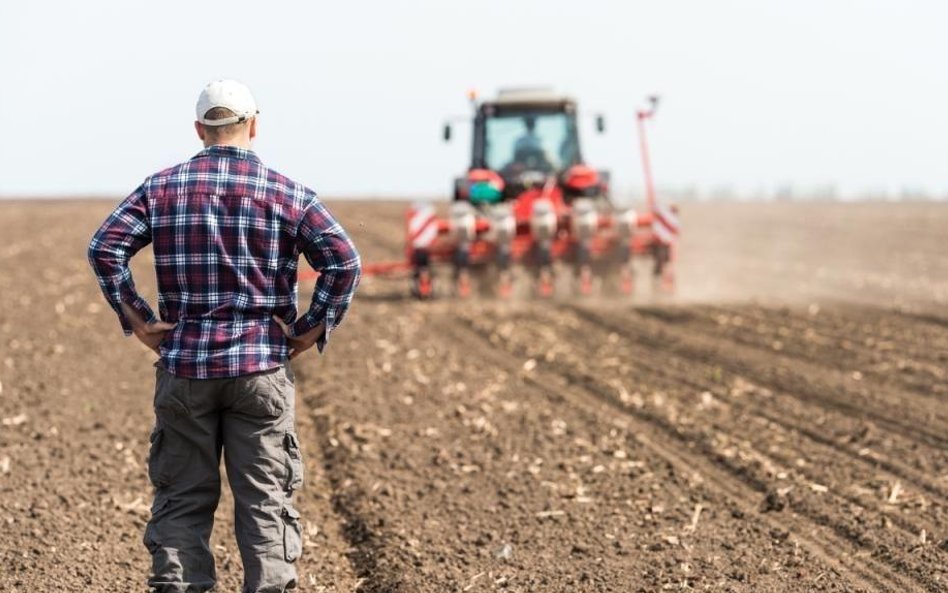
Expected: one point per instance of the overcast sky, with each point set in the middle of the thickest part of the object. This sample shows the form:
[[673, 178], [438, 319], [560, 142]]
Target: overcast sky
[[756, 93]]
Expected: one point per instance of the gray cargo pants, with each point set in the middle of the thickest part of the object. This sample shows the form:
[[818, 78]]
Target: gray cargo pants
[[251, 419]]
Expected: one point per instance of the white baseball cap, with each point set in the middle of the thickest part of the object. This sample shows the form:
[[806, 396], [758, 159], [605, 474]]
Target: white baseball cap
[[230, 94]]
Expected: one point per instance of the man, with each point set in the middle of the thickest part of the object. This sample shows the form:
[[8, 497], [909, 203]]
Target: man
[[528, 141], [227, 233], [528, 148]]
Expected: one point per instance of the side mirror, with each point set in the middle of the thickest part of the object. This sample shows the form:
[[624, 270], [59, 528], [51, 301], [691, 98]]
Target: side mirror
[[600, 123], [447, 132]]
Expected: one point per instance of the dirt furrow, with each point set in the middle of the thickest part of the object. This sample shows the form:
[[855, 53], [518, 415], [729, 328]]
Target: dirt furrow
[[927, 319], [859, 441], [872, 328], [476, 445], [854, 441], [920, 420], [564, 485], [886, 360], [764, 450], [323, 566], [733, 482], [670, 374], [366, 546]]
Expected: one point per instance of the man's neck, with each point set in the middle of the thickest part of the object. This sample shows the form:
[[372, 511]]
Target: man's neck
[[238, 143]]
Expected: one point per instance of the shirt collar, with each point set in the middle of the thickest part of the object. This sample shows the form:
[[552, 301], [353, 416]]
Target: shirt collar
[[227, 151]]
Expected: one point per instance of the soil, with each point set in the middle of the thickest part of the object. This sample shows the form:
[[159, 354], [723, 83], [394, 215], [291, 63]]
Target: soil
[[779, 425]]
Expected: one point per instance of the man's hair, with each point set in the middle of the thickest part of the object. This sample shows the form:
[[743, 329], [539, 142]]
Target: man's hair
[[225, 131]]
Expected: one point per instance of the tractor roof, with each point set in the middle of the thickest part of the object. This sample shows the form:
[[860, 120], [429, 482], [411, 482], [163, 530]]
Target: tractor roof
[[530, 96]]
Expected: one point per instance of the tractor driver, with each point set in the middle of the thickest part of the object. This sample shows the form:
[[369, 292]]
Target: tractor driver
[[528, 149]]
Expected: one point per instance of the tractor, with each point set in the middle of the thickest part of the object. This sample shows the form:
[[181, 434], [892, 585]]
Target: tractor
[[530, 211], [529, 207]]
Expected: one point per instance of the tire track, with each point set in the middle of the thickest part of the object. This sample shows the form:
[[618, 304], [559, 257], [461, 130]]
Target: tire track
[[667, 442]]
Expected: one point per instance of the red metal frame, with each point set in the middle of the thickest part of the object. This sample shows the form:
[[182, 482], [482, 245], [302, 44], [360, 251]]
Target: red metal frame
[[644, 114]]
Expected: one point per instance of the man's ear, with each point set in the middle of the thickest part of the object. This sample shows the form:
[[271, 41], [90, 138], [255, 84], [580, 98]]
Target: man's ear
[[199, 128], [253, 128]]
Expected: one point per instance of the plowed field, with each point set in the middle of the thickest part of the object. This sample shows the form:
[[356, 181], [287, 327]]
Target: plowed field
[[781, 425]]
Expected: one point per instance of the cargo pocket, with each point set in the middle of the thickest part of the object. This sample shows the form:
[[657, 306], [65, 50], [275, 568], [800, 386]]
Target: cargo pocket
[[151, 539], [164, 459], [292, 534], [154, 453], [294, 462]]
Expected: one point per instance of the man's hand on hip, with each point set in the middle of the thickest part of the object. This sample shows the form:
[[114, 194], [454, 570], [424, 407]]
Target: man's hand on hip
[[300, 344], [149, 334]]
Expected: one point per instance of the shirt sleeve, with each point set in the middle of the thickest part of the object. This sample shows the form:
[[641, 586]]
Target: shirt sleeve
[[327, 248], [120, 237]]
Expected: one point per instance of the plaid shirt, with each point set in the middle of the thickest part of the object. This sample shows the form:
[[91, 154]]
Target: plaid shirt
[[227, 234]]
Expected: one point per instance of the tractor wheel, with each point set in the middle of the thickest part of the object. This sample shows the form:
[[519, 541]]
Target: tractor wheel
[[585, 278], [422, 285], [546, 282], [626, 280], [462, 283], [505, 286], [662, 254]]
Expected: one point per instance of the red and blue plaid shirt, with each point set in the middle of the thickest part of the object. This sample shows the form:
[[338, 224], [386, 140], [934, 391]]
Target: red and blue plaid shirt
[[226, 233]]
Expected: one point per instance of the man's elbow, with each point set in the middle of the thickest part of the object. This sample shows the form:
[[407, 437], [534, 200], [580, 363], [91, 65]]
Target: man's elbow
[[354, 261], [94, 252], [355, 268], [103, 256]]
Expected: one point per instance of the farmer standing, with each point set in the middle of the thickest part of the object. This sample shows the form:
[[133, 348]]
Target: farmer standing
[[227, 233]]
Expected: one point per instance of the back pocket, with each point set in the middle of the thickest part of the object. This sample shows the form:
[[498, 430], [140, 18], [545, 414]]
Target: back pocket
[[261, 394]]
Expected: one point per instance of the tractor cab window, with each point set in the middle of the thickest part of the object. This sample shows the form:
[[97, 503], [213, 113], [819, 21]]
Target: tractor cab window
[[530, 141]]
